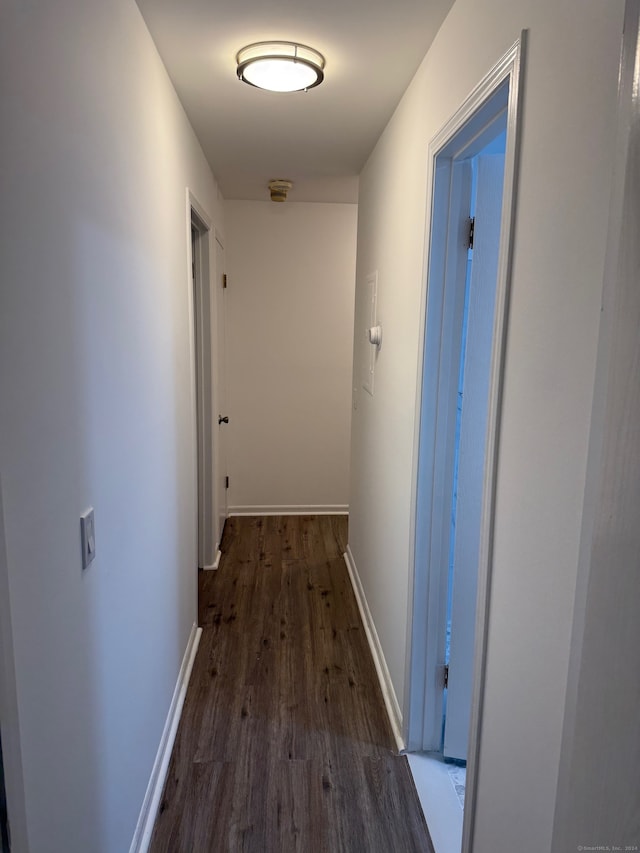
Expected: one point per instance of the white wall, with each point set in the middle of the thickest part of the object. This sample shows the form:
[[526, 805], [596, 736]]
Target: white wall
[[560, 234], [96, 408], [290, 302], [598, 804]]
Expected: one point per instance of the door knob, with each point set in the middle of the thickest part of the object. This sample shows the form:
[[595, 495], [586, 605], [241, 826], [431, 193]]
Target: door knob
[[222, 420]]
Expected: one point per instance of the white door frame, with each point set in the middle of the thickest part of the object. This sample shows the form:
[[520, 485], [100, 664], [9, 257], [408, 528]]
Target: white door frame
[[426, 578]]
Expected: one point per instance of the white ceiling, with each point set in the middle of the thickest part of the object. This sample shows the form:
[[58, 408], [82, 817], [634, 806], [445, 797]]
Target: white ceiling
[[318, 139]]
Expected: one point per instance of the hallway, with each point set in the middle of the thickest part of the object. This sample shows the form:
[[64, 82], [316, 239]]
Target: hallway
[[284, 744]]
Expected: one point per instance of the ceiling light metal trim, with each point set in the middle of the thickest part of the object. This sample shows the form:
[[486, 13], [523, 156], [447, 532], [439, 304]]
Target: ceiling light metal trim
[[282, 53]]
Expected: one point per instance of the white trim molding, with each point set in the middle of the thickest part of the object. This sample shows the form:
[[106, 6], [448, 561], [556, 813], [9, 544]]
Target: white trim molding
[[149, 810], [311, 509], [215, 564], [386, 685]]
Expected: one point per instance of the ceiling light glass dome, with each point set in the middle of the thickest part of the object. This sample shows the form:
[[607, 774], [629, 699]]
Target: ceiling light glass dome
[[280, 66]]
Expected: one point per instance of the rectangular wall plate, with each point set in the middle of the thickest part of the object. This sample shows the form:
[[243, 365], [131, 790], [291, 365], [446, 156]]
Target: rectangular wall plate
[[88, 537]]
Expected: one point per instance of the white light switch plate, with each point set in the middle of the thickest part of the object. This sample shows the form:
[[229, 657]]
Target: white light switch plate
[[88, 537], [370, 351]]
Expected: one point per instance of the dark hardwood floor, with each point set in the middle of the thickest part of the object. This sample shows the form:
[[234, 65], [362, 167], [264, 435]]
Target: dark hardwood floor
[[284, 743]]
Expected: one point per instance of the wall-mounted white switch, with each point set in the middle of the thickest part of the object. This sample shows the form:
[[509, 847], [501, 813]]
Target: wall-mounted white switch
[[375, 336], [88, 536]]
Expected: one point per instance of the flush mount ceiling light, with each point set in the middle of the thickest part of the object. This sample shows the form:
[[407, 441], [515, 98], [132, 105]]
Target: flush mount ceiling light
[[280, 66]]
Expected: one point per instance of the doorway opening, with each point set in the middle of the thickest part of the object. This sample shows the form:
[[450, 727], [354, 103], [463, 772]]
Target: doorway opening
[[221, 487], [205, 267], [472, 182], [480, 203]]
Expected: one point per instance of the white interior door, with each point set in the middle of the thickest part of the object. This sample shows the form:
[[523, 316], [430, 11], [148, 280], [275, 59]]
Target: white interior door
[[471, 451], [203, 378], [452, 203], [220, 402]]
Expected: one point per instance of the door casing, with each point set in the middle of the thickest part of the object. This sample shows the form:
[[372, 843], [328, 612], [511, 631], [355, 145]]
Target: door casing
[[428, 577]]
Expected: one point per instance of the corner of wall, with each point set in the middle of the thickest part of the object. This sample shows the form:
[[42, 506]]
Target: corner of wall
[[9, 719]]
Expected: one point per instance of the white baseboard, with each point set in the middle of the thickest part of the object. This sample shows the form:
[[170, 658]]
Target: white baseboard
[[386, 685], [311, 509], [146, 820], [215, 564]]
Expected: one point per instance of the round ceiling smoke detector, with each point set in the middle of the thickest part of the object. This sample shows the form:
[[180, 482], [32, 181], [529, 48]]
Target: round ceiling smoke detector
[[279, 190]]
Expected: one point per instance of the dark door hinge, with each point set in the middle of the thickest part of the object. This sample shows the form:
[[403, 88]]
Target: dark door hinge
[[472, 228], [226, 482], [224, 281], [446, 675]]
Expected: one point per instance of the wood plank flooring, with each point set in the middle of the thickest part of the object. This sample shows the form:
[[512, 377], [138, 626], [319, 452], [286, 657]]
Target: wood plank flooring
[[284, 743]]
